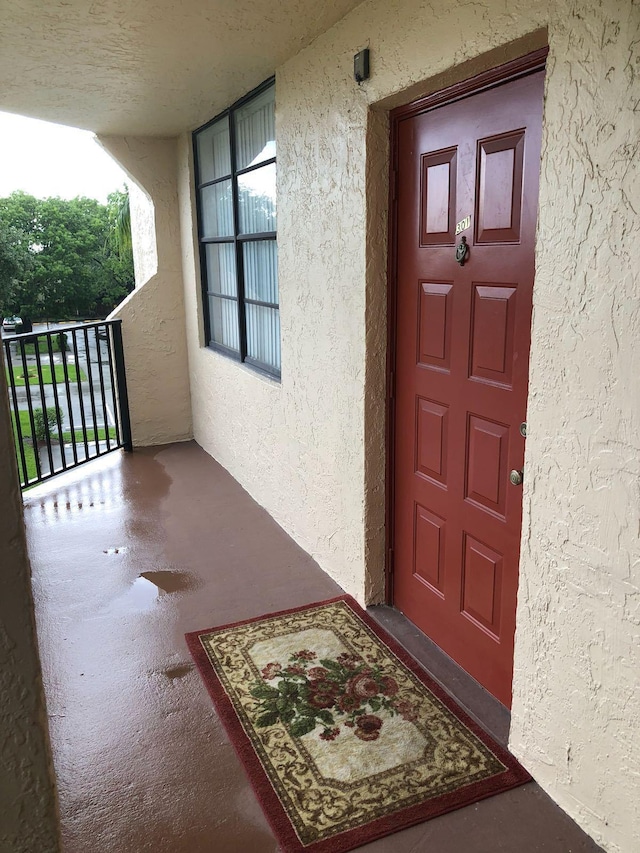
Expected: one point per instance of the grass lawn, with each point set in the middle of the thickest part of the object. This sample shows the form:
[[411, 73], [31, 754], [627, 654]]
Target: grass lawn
[[43, 346], [29, 450], [102, 435], [47, 378]]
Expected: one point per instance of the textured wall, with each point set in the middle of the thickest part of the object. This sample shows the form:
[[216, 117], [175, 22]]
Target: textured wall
[[149, 68], [311, 450], [153, 320], [144, 244], [301, 453], [28, 811], [576, 712]]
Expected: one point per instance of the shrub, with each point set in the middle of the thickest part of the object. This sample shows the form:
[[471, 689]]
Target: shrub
[[44, 425]]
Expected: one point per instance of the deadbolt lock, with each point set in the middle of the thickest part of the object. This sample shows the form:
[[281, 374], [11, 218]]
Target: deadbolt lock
[[516, 477]]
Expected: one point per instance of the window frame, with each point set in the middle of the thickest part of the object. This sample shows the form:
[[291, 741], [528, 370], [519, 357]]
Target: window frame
[[237, 239]]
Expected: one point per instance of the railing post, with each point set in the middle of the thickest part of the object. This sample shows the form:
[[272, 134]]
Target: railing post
[[121, 376]]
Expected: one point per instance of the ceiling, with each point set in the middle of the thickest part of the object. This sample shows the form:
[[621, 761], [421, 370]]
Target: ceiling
[[147, 67]]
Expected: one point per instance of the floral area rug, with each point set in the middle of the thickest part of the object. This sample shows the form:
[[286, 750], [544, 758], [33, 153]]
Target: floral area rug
[[344, 737]]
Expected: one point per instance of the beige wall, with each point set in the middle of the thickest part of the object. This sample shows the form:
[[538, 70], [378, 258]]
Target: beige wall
[[153, 320], [144, 243], [28, 810], [311, 449], [576, 712]]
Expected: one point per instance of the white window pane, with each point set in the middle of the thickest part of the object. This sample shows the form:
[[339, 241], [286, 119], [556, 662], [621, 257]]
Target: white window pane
[[214, 151], [255, 130], [261, 271], [223, 314], [263, 334], [257, 200], [221, 268], [217, 210]]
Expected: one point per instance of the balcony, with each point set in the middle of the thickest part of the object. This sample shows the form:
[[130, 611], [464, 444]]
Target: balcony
[[128, 553]]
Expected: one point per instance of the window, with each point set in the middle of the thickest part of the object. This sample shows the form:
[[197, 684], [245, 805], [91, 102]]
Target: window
[[235, 157]]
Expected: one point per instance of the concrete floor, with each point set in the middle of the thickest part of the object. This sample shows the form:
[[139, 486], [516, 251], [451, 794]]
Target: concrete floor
[[129, 553]]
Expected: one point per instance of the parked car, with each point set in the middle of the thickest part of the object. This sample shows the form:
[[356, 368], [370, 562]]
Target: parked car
[[10, 324]]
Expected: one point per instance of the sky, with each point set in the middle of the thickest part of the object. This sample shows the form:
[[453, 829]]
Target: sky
[[45, 159]]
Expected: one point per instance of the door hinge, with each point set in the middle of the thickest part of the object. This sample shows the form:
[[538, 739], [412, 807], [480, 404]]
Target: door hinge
[[392, 385], [394, 185]]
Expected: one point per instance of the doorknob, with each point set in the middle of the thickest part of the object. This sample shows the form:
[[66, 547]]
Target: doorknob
[[516, 477]]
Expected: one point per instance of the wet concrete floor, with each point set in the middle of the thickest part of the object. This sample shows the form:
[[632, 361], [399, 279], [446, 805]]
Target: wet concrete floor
[[129, 553]]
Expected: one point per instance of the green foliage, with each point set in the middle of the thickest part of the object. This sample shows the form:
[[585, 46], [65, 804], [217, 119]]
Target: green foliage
[[15, 262], [119, 253], [60, 258], [120, 221], [44, 424]]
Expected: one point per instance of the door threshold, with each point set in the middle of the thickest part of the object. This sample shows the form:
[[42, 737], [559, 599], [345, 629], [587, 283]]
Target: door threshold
[[484, 708]]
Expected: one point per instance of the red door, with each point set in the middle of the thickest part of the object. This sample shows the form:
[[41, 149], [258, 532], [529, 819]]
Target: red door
[[462, 351]]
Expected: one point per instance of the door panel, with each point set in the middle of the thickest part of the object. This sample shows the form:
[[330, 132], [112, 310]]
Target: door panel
[[431, 440], [493, 313], [487, 457], [434, 333], [461, 368], [499, 196], [439, 175]]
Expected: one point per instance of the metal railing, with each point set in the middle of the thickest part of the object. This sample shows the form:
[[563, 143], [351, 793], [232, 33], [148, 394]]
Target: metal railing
[[68, 397]]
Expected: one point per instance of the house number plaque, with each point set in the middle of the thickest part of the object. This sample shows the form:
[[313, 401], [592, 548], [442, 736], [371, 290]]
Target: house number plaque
[[463, 225]]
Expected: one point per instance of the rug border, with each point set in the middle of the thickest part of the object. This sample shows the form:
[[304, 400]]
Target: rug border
[[513, 776]]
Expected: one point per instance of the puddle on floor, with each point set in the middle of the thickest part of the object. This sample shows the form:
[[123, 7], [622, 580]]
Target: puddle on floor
[[149, 587], [143, 593], [167, 581]]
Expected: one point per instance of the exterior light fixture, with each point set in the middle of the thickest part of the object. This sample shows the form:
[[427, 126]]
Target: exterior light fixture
[[361, 65]]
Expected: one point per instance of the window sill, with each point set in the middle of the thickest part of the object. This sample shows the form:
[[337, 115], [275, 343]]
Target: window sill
[[248, 367]]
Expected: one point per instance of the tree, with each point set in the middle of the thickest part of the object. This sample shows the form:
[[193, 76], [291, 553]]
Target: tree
[[15, 260], [75, 267], [119, 255], [120, 222]]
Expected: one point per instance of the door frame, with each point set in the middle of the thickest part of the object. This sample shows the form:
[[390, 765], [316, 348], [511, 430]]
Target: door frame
[[512, 70]]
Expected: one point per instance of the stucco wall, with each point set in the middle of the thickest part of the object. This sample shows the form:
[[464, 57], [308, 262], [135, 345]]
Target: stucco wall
[[576, 712], [298, 446], [311, 449], [28, 810], [144, 245], [153, 320]]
